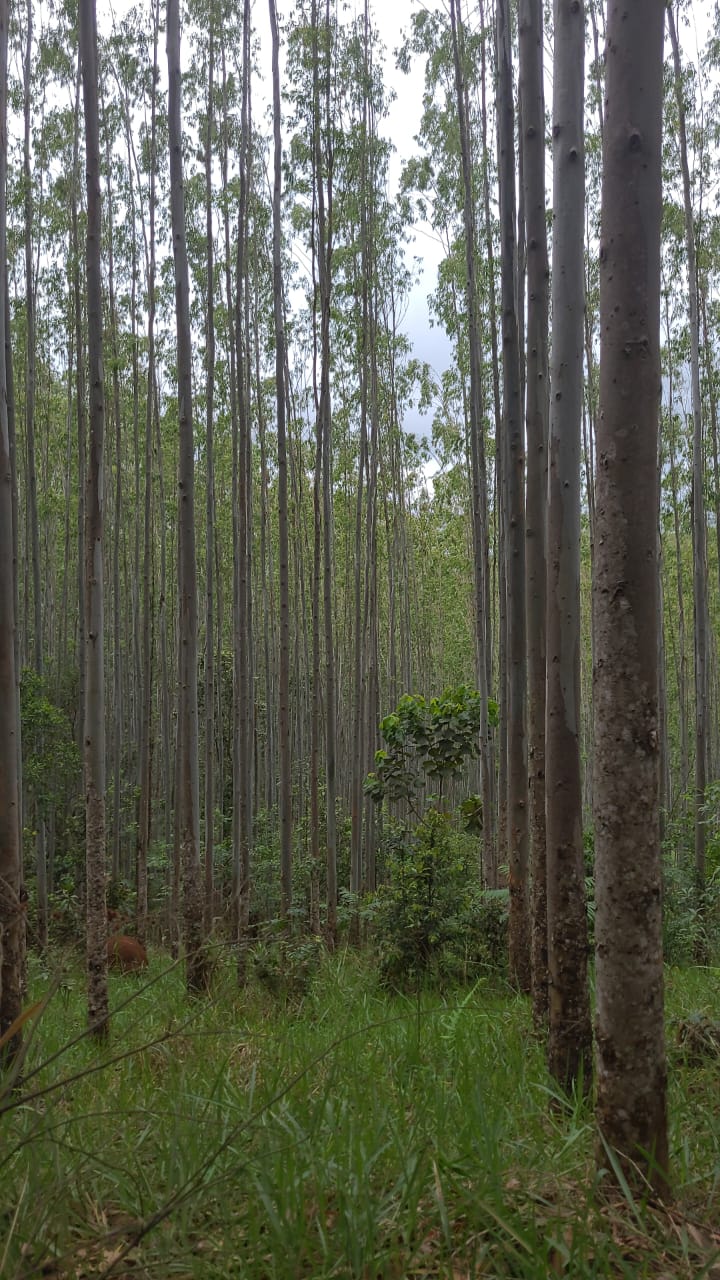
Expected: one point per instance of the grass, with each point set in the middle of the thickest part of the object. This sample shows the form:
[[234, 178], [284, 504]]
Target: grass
[[344, 1133]]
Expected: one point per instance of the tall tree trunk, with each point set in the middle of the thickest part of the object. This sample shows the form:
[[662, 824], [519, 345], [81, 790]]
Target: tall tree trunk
[[117, 660], [537, 416], [12, 917], [324, 175], [284, 576], [94, 732], [30, 380], [498, 814], [81, 411], [477, 452], [631, 1066], [209, 496], [188, 797], [698, 493], [570, 1038], [143, 838], [512, 427]]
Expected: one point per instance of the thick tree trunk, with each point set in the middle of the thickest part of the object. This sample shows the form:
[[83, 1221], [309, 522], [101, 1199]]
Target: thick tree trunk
[[570, 1037], [631, 1066]]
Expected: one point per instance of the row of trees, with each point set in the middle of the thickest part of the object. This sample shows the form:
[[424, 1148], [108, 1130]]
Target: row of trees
[[334, 578]]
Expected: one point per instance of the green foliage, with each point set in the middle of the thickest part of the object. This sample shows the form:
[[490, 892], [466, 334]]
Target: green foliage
[[423, 918], [427, 740], [691, 923], [431, 922], [419, 908], [51, 760]]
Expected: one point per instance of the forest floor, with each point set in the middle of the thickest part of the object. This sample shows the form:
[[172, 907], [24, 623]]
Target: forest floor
[[334, 1132]]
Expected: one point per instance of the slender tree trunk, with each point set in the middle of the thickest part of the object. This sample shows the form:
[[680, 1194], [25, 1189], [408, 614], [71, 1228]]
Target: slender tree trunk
[[570, 1038], [12, 916], [477, 452], [324, 174], [518, 833], [284, 581], [143, 839], [209, 497], [537, 415], [94, 732], [81, 413], [117, 660], [30, 381], [631, 1066], [698, 494], [188, 797], [682, 678]]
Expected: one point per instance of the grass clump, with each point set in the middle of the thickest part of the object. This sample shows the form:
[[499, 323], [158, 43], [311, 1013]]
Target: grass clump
[[351, 1133]]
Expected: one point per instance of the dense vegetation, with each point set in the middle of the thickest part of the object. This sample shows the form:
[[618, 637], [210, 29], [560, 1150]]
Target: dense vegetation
[[370, 696]]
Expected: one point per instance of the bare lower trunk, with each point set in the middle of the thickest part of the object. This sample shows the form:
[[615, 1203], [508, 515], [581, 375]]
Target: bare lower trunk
[[570, 1038], [631, 1066]]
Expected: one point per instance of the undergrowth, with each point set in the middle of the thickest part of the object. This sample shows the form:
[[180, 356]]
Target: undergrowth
[[348, 1133]]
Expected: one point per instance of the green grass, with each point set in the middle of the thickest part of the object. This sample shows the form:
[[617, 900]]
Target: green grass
[[343, 1134]]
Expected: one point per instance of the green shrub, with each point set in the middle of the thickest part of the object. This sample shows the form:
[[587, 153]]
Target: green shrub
[[431, 922], [285, 967]]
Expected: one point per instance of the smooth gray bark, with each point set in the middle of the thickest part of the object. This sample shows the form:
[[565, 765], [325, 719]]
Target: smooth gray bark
[[570, 1037]]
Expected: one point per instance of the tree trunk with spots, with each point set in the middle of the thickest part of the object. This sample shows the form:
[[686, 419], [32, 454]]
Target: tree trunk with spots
[[631, 1066]]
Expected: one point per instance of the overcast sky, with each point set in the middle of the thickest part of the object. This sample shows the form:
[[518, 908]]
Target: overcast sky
[[393, 19]]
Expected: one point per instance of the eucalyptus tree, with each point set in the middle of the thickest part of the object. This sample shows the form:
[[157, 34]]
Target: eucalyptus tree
[[514, 459], [244, 703], [483, 624], [570, 1037], [188, 793], [209, 482], [117, 514], [698, 485], [283, 547], [324, 168], [94, 727], [314, 49], [452, 191], [12, 917], [144, 759], [30, 383], [631, 1065], [537, 415]]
